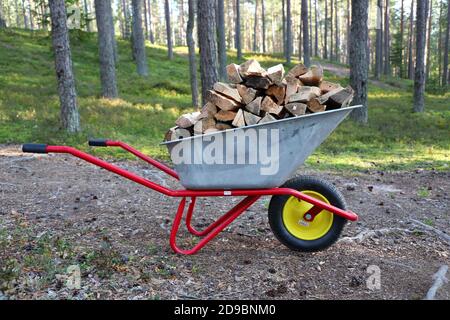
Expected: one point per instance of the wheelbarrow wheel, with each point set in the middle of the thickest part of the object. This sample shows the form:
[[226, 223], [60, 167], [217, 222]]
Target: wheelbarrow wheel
[[288, 224]]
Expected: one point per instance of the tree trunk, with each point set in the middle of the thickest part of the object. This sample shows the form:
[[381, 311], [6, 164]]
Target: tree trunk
[[138, 39], [288, 31], [445, 80], [151, 36], [283, 23], [113, 32], [325, 45], [181, 21], [379, 41], [430, 26], [358, 58], [316, 30], [410, 45], [238, 30], [263, 18], [310, 29], [440, 43], [402, 33], [70, 117], [255, 27], [348, 33], [126, 18], [221, 40], [306, 50], [168, 29], [25, 16], [192, 60], [331, 30], [145, 19], [206, 26], [387, 39], [336, 31], [2, 17], [30, 15], [86, 17], [106, 49], [419, 75]]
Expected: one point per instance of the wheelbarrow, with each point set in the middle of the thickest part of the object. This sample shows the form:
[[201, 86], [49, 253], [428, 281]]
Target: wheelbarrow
[[305, 213]]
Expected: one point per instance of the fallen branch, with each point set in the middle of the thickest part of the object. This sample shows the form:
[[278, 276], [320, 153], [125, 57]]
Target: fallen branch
[[367, 233], [441, 234], [439, 280]]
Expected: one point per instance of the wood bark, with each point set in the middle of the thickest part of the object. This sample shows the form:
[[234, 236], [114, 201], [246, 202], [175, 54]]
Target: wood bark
[[445, 75], [410, 43], [387, 39], [106, 49], [138, 39], [238, 40], [70, 117], [168, 29], [358, 58], [306, 36], [221, 41], [419, 74], [191, 47], [206, 27]]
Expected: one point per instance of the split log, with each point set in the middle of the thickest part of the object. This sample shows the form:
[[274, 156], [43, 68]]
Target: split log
[[291, 87], [324, 98], [298, 70], [187, 120], [225, 116], [204, 124], [267, 118], [278, 92], [276, 73], [269, 106], [233, 73], [315, 106], [296, 108], [208, 110], [313, 77], [247, 94], [305, 94], [176, 133], [211, 130], [250, 118], [223, 126], [340, 98], [239, 120], [221, 101], [327, 86], [251, 68], [254, 106], [258, 82], [228, 91]]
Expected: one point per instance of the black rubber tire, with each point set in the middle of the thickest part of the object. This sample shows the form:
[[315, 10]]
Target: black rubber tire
[[277, 203]]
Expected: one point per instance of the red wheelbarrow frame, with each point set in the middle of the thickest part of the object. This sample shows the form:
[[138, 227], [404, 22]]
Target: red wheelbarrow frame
[[251, 195]]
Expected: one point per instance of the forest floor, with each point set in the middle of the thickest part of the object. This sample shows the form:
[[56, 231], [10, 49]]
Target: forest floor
[[58, 211]]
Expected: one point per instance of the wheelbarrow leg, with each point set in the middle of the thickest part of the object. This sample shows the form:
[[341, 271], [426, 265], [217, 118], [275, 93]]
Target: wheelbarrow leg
[[213, 230]]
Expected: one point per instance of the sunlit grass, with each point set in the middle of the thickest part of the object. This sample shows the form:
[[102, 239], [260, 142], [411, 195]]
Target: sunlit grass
[[395, 138]]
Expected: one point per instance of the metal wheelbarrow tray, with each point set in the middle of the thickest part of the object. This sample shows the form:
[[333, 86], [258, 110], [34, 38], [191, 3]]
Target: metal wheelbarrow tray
[[305, 214]]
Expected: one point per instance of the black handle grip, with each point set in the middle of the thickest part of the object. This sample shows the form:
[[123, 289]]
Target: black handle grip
[[34, 148], [98, 142]]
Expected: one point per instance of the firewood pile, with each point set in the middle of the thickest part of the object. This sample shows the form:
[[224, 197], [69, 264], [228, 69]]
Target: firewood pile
[[255, 95]]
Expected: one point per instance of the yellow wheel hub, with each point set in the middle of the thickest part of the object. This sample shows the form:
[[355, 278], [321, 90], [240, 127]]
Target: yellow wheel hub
[[293, 219]]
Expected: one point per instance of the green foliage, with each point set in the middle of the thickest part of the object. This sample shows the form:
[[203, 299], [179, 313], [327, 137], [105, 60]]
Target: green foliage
[[395, 138]]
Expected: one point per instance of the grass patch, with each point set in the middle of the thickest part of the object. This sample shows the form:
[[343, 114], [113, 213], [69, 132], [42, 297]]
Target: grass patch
[[394, 139]]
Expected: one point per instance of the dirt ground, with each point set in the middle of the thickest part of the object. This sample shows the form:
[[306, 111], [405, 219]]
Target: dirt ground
[[57, 211]]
